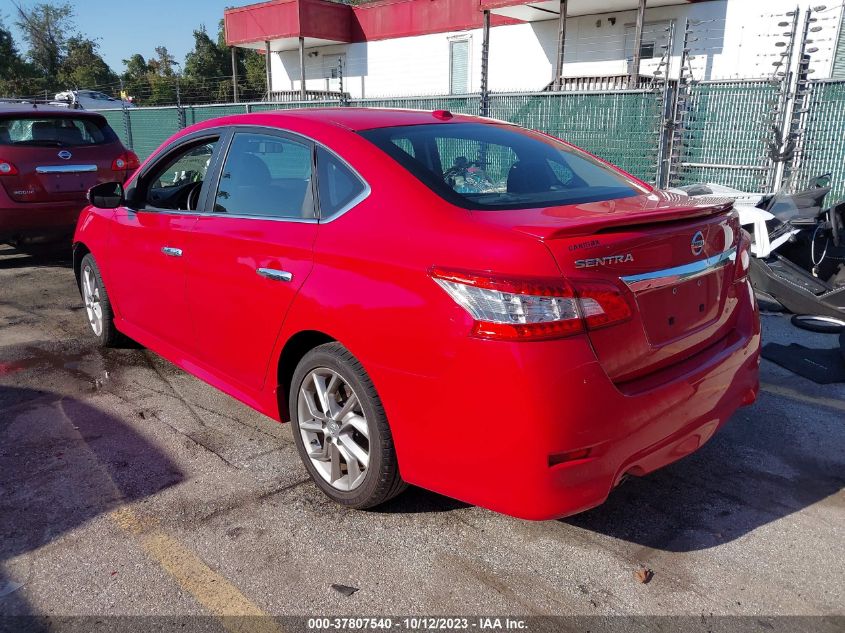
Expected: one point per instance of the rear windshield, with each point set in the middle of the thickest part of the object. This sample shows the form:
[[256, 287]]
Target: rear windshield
[[55, 131], [489, 167]]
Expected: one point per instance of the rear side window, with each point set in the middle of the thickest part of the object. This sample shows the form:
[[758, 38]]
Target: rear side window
[[338, 185], [266, 176], [488, 167], [55, 131]]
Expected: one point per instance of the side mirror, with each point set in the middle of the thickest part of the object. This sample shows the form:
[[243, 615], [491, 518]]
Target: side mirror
[[106, 195]]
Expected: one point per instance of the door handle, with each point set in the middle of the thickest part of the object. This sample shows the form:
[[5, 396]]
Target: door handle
[[275, 275], [172, 252]]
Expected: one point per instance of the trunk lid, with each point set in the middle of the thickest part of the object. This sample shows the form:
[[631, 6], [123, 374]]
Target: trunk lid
[[56, 154], [673, 258], [45, 176]]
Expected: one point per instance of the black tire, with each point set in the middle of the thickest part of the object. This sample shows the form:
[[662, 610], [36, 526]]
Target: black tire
[[820, 324], [109, 336], [382, 480]]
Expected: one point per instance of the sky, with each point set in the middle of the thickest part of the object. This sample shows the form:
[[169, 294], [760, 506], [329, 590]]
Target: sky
[[124, 27]]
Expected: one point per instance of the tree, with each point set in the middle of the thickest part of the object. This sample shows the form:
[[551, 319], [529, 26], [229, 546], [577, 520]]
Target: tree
[[207, 59], [46, 30], [163, 63], [83, 67], [16, 76]]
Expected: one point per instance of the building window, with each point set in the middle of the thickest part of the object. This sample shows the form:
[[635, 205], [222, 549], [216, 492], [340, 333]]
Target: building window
[[655, 36], [459, 67]]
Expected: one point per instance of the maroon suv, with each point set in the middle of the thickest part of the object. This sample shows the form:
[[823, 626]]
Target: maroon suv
[[49, 158]]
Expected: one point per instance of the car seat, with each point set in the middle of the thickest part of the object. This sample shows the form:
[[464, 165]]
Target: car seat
[[44, 131], [530, 177]]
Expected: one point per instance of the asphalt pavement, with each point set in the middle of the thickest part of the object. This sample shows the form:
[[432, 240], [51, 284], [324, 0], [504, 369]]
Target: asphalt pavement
[[129, 487]]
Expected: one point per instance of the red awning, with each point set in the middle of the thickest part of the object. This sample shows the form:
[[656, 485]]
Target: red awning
[[320, 22], [283, 22]]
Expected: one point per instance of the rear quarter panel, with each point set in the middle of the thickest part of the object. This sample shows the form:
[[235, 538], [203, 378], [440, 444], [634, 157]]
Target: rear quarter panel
[[370, 288]]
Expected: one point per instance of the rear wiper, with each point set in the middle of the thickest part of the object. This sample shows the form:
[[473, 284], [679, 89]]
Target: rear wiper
[[40, 143]]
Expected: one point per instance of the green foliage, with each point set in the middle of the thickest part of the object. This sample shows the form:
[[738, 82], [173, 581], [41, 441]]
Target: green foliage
[[83, 67], [17, 77], [57, 57], [207, 59], [46, 30]]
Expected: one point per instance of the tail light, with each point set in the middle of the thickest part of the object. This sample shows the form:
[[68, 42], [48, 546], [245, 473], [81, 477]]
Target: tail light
[[743, 256], [127, 161], [532, 309], [7, 168]]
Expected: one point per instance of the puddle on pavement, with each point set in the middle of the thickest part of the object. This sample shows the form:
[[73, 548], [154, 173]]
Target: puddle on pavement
[[37, 358]]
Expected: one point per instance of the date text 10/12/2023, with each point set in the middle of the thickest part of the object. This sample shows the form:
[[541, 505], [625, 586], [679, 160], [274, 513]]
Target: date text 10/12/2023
[[417, 624]]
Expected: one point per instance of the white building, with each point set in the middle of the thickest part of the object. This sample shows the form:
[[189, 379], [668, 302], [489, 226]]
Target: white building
[[420, 47]]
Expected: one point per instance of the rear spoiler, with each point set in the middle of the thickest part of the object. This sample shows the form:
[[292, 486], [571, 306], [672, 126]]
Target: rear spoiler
[[610, 222]]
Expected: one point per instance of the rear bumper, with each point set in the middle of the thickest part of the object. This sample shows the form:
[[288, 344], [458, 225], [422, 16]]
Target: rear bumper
[[37, 220], [490, 428]]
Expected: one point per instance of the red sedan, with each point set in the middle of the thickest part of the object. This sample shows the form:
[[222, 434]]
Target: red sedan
[[49, 158], [441, 300]]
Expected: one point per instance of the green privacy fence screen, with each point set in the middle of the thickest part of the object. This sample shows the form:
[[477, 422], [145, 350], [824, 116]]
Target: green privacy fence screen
[[621, 127], [723, 132], [724, 135], [822, 145]]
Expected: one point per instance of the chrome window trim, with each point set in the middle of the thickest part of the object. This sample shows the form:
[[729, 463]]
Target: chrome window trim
[[676, 274], [209, 214], [219, 132], [352, 203], [65, 169], [236, 216]]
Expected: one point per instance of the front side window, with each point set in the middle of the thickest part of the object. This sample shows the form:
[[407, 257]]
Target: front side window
[[177, 183], [338, 185], [266, 176], [489, 167], [55, 131]]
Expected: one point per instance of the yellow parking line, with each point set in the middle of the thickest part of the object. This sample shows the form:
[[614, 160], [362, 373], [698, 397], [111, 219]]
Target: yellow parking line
[[210, 589], [237, 614], [786, 392]]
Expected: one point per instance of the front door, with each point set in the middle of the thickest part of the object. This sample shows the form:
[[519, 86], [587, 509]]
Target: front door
[[251, 253], [150, 243]]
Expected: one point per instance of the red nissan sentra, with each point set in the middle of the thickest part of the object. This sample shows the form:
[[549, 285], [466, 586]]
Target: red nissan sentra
[[434, 299]]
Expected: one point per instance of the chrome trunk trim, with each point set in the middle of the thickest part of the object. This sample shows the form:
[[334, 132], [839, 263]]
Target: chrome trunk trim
[[677, 274], [65, 169]]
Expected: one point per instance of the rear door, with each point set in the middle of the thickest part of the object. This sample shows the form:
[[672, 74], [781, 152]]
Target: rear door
[[150, 241], [251, 253], [58, 157]]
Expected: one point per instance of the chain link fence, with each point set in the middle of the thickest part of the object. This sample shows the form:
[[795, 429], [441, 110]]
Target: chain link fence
[[724, 135], [822, 146], [622, 127]]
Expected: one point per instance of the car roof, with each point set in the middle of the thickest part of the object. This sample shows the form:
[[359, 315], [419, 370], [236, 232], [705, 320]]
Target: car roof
[[11, 109], [367, 118]]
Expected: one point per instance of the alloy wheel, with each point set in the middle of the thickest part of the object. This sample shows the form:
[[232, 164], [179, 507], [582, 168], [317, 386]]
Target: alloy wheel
[[334, 429], [91, 296]]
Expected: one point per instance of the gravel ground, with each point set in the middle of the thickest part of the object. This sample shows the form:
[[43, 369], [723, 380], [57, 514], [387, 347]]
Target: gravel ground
[[129, 487]]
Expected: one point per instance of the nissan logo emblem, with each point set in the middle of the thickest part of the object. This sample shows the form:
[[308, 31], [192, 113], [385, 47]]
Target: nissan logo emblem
[[697, 244], [65, 155]]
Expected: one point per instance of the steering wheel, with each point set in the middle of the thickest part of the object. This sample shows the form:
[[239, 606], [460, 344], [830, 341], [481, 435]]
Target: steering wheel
[[193, 196]]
